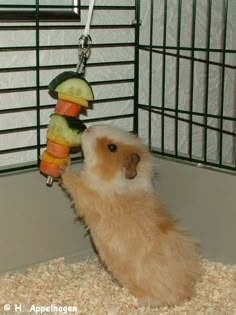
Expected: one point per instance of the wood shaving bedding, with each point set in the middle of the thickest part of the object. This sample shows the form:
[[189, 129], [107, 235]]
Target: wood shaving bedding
[[90, 289]]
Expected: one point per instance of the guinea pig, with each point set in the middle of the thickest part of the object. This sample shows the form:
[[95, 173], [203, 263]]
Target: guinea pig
[[136, 238]]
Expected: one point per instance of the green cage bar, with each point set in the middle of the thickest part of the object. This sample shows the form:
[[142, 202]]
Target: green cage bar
[[190, 144], [37, 46], [177, 76], [207, 79], [221, 117], [164, 77], [150, 76]]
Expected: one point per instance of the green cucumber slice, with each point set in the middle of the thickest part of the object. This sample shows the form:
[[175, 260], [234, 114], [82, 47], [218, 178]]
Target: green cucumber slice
[[71, 83], [67, 128]]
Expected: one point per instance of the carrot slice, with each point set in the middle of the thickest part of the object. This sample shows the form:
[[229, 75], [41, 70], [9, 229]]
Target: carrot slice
[[49, 169], [57, 150], [45, 156], [67, 108]]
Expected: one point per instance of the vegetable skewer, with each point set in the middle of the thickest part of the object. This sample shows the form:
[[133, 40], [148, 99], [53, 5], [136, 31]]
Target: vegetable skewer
[[64, 129]]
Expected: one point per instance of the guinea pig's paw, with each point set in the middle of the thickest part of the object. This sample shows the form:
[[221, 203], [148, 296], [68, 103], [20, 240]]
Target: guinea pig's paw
[[63, 177], [64, 170], [65, 167], [68, 163], [60, 179]]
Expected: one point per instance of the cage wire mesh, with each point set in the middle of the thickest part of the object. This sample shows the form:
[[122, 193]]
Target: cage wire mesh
[[164, 68], [33, 53], [187, 80]]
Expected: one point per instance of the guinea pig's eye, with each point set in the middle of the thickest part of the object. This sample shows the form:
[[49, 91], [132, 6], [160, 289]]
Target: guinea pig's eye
[[112, 147]]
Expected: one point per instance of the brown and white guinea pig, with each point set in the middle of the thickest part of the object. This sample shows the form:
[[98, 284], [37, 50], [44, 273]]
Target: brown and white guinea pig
[[137, 240]]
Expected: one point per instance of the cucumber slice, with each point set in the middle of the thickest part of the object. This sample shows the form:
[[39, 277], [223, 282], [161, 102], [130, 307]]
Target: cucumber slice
[[65, 130], [71, 84]]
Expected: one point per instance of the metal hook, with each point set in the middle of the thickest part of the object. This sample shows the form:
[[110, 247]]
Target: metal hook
[[85, 43], [84, 46]]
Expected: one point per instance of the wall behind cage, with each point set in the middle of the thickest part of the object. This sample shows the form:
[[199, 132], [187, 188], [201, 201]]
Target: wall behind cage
[[188, 79], [32, 55]]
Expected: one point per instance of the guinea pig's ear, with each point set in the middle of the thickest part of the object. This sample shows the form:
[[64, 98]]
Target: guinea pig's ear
[[130, 165]]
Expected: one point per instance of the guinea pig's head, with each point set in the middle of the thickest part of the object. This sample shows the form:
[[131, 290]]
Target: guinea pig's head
[[112, 154]]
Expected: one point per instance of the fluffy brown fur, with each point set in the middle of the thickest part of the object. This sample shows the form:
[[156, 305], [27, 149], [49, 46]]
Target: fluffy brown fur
[[138, 241]]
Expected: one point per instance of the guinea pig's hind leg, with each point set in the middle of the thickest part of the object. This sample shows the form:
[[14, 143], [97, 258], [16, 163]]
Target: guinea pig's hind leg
[[143, 298]]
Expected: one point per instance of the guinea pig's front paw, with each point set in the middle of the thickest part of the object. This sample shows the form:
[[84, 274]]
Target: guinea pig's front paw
[[64, 172], [68, 163], [70, 182]]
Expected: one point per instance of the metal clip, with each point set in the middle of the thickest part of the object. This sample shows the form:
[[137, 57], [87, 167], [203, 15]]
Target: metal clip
[[84, 49], [82, 63]]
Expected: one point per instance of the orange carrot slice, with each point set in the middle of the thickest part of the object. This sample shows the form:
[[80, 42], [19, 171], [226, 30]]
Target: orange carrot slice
[[49, 169], [67, 108], [57, 150], [73, 99], [45, 156]]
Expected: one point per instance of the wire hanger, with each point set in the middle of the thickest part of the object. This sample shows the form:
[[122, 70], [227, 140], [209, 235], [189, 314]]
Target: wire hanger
[[85, 42]]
